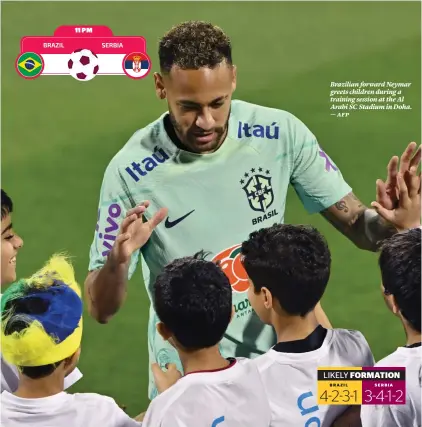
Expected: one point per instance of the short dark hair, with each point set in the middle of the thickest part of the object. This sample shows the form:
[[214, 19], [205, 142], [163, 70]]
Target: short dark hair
[[6, 204], [400, 264], [38, 372], [292, 261], [18, 324], [192, 45], [193, 298]]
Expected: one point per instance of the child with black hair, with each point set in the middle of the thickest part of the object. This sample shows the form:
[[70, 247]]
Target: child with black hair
[[289, 268], [10, 241], [193, 300]]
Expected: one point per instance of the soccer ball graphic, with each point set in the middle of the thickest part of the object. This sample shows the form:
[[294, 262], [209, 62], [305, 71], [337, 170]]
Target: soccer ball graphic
[[83, 65]]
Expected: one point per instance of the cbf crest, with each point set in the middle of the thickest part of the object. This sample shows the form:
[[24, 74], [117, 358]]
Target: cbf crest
[[259, 192], [258, 189]]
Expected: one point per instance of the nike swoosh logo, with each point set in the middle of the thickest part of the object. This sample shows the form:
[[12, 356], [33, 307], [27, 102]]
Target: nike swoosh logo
[[170, 224]]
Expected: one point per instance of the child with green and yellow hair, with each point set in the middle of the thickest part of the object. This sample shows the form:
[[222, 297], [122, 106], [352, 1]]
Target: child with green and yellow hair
[[41, 333]]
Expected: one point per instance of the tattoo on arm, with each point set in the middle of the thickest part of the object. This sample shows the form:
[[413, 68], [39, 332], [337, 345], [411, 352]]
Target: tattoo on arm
[[363, 226], [342, 206]]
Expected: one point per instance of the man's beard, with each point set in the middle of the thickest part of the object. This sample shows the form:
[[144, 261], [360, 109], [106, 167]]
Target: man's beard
[[187, 139]]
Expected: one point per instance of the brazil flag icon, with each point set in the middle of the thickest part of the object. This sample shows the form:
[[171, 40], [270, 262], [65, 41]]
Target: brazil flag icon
[[29, 65]]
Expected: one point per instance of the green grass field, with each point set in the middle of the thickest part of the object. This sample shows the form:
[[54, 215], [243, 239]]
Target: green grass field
[[59, 134]]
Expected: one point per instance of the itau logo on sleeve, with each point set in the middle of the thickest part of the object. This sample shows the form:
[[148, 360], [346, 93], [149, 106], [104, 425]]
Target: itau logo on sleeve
[[83, 52]]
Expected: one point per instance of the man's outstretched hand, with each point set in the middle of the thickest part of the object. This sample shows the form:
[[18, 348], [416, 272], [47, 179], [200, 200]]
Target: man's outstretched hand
[[135, 231]]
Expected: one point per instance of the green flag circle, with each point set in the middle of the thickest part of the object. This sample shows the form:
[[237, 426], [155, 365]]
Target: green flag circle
[[29, 65]]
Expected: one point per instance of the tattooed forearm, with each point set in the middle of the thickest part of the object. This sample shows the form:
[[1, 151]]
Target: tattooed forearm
[[363, 226], [342, 206]]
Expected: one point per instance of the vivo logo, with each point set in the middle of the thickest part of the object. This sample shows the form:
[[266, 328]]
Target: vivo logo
[[108, 235]]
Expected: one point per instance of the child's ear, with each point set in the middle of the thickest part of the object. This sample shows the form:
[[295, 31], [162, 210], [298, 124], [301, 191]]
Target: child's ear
[[71, 362], [163, 331], [268, 298], [394, 307]]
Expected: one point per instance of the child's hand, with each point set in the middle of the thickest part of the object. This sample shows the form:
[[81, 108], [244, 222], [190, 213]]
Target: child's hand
[[164, 380], [407, 214]]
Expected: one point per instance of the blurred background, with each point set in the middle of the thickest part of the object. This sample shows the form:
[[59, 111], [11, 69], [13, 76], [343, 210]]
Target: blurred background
[[58, 136]]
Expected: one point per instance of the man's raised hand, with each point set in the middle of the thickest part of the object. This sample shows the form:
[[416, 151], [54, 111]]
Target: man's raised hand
[[135, 232]]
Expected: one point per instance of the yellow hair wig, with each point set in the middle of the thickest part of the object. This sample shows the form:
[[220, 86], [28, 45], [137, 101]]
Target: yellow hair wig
[[42, 337]]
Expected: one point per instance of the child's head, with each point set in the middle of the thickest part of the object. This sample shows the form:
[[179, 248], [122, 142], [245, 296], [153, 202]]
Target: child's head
[[10, 241], [400, 264], [193, 300], [288, 268], [41, 317]]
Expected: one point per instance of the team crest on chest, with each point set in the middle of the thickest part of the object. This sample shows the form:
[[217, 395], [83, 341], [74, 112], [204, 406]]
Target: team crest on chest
[[258, 189]]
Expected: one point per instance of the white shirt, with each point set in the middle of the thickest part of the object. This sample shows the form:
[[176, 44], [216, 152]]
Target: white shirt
[[63, 410], [290, 379], [232, 397], [408, 415], [10, 377]]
